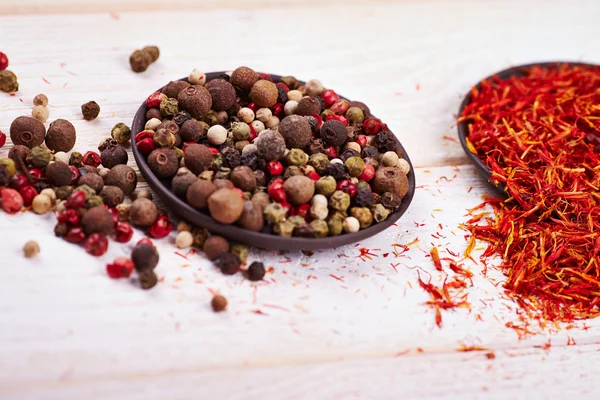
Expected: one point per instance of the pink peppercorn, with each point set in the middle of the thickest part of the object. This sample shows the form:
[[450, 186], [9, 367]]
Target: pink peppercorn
[[330, 152], [145, 146], [214, 151], [76, 199], [340, 107], [2, 138], [339, 118], [18, 181], [283, 85], [347, 187], [145, 241], [115, 215], [275, 168], [36, 173], [161, 228], [302, 210], [371, 126], [368, 173], [123, 232], [75, 235], [318, 118], [239, 191], [12, 201], [276, 191], [28, 193], [329, 97], [75, 174], [253, 134], [69, 216], [289, 209], [155, 99], [277, 109], [143, 135], [96, 244], [266, 76], [122, 267], [3, 64], [253, 107], [361, 140], [91, 158]]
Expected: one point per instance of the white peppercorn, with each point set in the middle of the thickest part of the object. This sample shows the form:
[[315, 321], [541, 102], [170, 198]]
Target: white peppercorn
[[184, 239], [152, 124], [258, 126], [41, 204], [250, 148], [197, 77], [50, 193], [272, 122], [246, 115], [294, 95], [319, 209], [217, 134], [404, 166], [313, 87], [263, 114], [389, 159], [61, 156], [40, 113], [336, 161], [351, 225], [31, 249], [290, 107], [183, 226], [353, 146]]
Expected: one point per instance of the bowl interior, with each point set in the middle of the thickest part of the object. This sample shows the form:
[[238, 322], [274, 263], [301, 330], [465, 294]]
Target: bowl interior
[[262, 239]]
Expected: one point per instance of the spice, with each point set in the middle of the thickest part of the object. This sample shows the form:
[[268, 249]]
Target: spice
[[536, 134], [196, 100], [40, 100], [225, 206], [27, 131], [143, 213], [124, 177], [391, 179], [308, 105], [121, 133], [148, 279], [163, 162], [121, 267], [271, 145], [31, 249], [8, 81], [97, 220], [244, 78], [114, 155], [197, 77], [144, 257], [58, 174], [40, 113], [313, 87], [39, 157], [264, 93], [296, 157], [3, 61], [299, 189], [96, 244], [228, 263], [222, 93], [90, 110], [140, 60], [390, 159], [161, 228], [182, 181], [217, 134], [214, 246], [243, 177], [252, 216], [198, 193], [184, 240], [256, 271], [61, 136], [333, 133], [218, 303]]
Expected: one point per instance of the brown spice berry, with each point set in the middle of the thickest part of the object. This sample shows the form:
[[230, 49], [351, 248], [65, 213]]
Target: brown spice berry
[[252, 217], [58, 174], [90, 110], [222, 93], [153, 51], [198, 193], [243, 178], [296, 131], [163, 162], [124, 177], [390, 179], [140, 60], [225, 206], [223, 183], [148, 279], [244, 78], [228, 263], [261, 199], [97, 220], [192, 130], [143, 213], [112, 195], [8, 81], [182, 180], [153, 113], [173, 88], [218, 303], [27, 131], [271, 145], [197, 158], [309, 105], [196, 100], [31, 249], [114, 155], [256, 271], [214, 246], [61, 136], [333, 133], [92, 180], [299, 189], [144, 257], [264, 93]]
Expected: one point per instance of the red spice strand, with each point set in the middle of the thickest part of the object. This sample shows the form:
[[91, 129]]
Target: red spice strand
[[539, 134]]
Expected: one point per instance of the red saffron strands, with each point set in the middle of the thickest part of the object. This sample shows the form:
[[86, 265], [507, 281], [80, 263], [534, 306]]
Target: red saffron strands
[[539, 135]]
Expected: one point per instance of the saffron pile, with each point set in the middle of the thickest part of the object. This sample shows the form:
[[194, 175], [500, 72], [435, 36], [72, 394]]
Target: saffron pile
[[538, 132]]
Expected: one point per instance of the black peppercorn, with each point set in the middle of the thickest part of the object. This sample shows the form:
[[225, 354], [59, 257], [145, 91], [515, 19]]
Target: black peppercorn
[[250, 160], [333, 133], [4, 176], [114, 155], [58, 174], [256, 271], [61, 229], [338, 171], [90, 110], [316, 147], [41, 185], [313, 122], [385, 141], [390, 200], [231, 157], [112, 195], [290, 81], [346, 154], [364, 198], [282, 96], [163, 162], [144, 257], [228, 263], [180, 117], [148, 279], [369, 151]]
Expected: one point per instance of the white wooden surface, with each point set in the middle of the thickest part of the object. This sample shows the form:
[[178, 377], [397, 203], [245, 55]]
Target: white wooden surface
[[331, 325]]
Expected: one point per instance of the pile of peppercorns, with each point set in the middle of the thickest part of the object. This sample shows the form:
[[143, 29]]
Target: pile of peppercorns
[[280, 157]]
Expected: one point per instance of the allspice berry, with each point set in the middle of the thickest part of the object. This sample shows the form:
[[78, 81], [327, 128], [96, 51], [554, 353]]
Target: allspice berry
[[143, 213], [214, 246], [144, 257], [114, 155], [296, 131], [61, 136], [333, 133], [90, 110], [196, 100], [198, 193], [243, 178], [222, 93], [58, 174], [92, 180], [264, 93], [173, 88], [390, 179], [256, 271], [244, 78], [31, 249], [153, 51], [197, 158], [97, 220], [218, 303], [140, 60], [148, 279], [192, 130], [124, 177], [112, 195], [261, 199], [299, 189], [271, 145], [27, 131], [182, 180], [308, 105], [252, 217], [223, 183], [225, 206], [163, 162], [228, 263]]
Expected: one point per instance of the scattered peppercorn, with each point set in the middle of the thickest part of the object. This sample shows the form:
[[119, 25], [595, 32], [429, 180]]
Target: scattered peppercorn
[[8, 81], [90, 110], [228, 263], [97, 220], [148, 279], [144, 257], [218, 303], [31, 249], [121, 133]]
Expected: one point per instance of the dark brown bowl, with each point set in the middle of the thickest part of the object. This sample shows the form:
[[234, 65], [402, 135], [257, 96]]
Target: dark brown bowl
[[463, 127], [264, 239]]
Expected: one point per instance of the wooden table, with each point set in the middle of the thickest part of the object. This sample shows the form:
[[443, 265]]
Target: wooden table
[[333, 325]]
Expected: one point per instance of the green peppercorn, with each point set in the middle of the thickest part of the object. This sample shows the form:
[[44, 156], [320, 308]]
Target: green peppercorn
[[178, 153], [94, 201], [380, 213], [325, 113], [363, 215], [39, 157], [319, 228], [339, 200], [326, 185], [212, 118], [89, 192], [63, 192], [335, 226], [355, 166], [319, 162], [355, 114], [9, 166], [240, 130], [284, 228], [75, 159], [121, 133], [274, 212], [217, 162], [169, 106], [164, 138], [240, 250], [200, 235], [292, 170], [296, 157], [297, 220], [223, 173]]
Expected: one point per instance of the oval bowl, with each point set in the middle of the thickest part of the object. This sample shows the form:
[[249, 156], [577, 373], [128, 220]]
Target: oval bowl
[[262, 239], [463, 127]]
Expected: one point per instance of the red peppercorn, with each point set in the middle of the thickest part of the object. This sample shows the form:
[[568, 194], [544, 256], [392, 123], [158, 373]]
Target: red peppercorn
[[122, 267], [239, 191], [115, 215], [214, 151], [145, 241], [186, 144], [313, 175], [28, 193], [36, 173], [371, 126], [2, 138], [340, 107], [330, 152], [266, 76], [329, 97], [368, 173], [3, 64], [361, 140], [276, 191], [76, 199], [252, 134], [96, 244], [70, 216], [145, 146], [91, 158], [75, 235], [275, 168], [347, 187], [302, 210], [161, 228], [339, 118], [18, 181], [143, 135], [283, 85], [252, 106], [12, 202], [75, 174], [289, 209], [123, 232], [319, 120], [155, 99], [277, 109]]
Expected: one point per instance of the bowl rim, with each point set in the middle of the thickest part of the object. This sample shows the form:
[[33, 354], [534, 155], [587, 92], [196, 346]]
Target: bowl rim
[[463, 127], [239, 234]]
